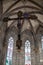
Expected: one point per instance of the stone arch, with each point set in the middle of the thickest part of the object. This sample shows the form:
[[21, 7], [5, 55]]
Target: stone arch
[[11, 32], [3, 27], [27, 35], [39, 35], [19, 57]]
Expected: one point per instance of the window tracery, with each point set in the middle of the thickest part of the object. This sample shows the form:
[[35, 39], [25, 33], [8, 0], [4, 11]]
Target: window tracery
[[9, 51], [27, 53], [42, 42], [41, 51]]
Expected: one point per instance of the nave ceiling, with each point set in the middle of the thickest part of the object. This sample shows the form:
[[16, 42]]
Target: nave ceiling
[[24, 6]]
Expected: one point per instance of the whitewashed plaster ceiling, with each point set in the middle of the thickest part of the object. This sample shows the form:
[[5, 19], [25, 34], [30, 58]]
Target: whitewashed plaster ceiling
[[26, 25]]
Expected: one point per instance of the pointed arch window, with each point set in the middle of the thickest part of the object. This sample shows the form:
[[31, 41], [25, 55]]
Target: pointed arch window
[[9, 51], [41, 50], [27, 53], [42, 42]]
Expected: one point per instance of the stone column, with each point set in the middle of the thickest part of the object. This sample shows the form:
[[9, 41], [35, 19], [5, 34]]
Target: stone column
[[37, 56], [2, 39], [2, 33], [1, 11], [32, 55]]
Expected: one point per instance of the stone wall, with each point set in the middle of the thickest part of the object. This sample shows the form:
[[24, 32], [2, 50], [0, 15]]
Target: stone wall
[[1, 30], [19, 57], [2, 33]]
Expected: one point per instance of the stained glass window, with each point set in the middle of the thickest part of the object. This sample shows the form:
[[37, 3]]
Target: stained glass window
[[27, 53], [41, 50], [9, 51], [42, 41]]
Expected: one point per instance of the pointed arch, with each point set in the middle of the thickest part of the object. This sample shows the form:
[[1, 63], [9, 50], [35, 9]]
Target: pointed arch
[[11, 35], [40, 43], [9, 51], [27, 35], [27, 53]]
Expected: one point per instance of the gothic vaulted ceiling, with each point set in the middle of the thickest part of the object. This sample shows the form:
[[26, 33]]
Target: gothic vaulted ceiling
[[32, 7]]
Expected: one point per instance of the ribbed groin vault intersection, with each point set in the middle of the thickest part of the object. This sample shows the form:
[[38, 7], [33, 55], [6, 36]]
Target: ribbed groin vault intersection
[[21, 32]]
